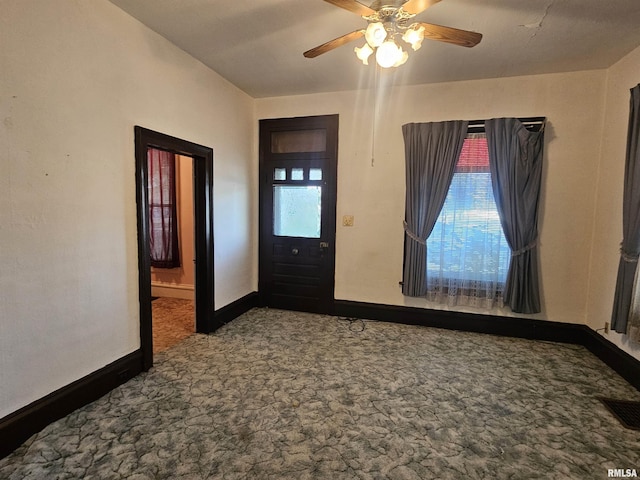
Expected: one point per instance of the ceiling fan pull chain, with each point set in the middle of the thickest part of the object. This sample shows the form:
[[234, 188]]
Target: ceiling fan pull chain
[[376, 80]]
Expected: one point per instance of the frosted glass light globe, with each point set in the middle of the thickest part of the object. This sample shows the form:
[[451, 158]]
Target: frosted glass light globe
[[414, 37], [375, 34], [364, 53], [388, 54], [403, 59]]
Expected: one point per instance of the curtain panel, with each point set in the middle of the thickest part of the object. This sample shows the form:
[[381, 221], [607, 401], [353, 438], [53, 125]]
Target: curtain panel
[[515, 160], [630, 247], [431, 154], [163, 212]]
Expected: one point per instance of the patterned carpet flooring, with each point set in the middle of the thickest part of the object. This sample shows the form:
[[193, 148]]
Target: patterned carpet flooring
[[173, 321], [282, 395]]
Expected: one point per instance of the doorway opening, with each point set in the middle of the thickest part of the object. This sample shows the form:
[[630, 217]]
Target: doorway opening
[[202, 164], [172, 248]]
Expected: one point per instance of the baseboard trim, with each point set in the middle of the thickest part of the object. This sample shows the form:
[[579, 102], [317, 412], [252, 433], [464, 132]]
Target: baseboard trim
[[469, 322], [620, 361], [624, 364], [186, 292], [234, 310], [173, 286], [18, 426]]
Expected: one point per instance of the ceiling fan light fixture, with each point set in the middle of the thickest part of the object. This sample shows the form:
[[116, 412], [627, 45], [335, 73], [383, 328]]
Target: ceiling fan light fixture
[[414, 36], [389, 54], [403, 58], [387, 23], [363, 53], [375, 34]]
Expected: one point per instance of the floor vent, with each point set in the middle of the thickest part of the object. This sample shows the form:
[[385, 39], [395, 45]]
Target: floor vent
[[627, 412]]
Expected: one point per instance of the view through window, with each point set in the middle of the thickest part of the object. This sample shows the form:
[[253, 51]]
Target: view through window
[[467, 254]]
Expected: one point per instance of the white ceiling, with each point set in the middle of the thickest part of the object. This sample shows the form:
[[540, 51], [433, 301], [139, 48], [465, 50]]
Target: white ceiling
[[258, 44]]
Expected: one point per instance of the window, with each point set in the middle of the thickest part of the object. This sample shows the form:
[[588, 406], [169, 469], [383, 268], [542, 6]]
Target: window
[[467, 254], [297, 211], [299, 141], [163, 215]]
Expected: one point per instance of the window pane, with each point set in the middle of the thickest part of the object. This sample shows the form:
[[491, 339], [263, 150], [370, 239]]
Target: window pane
[[315, 174], [296, 211], [467, 242], [474, 156], [467, 254], [299, 141], [163, 217], [280, 174], [297, 174]]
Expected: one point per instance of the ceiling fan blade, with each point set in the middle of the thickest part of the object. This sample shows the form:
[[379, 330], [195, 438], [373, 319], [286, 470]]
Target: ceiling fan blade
[[463, 38], [335, 43], [415, 7], [353, 6]]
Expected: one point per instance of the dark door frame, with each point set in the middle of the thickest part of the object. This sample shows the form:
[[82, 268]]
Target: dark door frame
[[330, 183], [203, 232]]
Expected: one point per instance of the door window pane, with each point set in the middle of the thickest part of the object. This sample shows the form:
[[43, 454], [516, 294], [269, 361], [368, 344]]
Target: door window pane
[[297, 174], [299, 141], [296, 211], [280, 174], [315, 174]]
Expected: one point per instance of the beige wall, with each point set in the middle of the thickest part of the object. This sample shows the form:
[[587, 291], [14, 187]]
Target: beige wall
[[369, 255], [75, 77], [607, 231], [179, 282]]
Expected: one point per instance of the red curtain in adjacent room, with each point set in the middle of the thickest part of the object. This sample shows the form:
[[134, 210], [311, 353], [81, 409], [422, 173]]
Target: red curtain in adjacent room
[[163, 215]]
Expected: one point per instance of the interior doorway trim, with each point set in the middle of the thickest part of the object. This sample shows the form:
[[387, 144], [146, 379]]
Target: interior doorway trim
[[203, 232]]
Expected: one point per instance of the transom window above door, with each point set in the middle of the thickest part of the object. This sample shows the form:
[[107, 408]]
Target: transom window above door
[[299, 141], [284, 174]]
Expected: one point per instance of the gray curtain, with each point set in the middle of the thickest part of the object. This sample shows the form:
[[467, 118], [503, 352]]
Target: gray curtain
[[515, 160], [431, 153], [630, 247]]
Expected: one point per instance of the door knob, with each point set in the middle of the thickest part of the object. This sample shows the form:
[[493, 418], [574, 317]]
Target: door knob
[[294, 251]]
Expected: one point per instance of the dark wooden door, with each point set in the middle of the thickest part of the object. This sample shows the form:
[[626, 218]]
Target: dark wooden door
[[298, 168]]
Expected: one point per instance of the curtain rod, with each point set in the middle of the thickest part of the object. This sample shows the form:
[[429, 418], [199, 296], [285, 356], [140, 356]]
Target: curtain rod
[[535, 124], [525, 121]]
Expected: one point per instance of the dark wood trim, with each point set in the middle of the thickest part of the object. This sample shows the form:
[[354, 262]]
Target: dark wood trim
[[144, 256], [235, 309], [621, 362], [204, 243], [267, 160], [624, 364], [203, 231], [17, 427], [468, 322]]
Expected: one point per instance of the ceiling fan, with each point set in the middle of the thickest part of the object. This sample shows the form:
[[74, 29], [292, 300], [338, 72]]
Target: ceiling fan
[[390, 20]]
